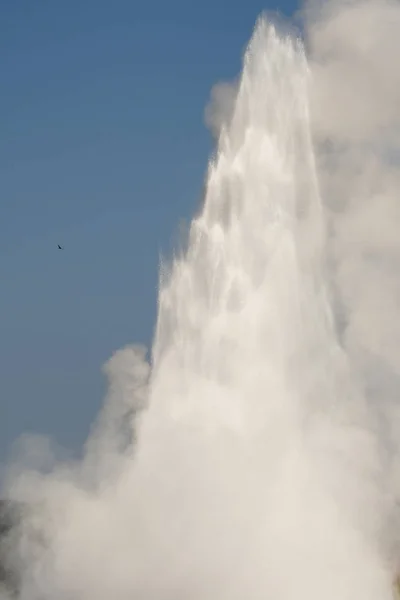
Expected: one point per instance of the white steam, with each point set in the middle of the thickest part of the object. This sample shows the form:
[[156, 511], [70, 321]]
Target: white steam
[[258, 457]]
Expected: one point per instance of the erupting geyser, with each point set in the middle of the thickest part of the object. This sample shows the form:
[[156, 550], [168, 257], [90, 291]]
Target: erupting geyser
[[246, 463]]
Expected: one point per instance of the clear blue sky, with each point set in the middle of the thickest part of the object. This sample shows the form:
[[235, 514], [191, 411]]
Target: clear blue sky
[[103, 150]]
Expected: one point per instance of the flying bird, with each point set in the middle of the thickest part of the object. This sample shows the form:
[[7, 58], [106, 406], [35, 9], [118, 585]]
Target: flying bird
[[59, 247]]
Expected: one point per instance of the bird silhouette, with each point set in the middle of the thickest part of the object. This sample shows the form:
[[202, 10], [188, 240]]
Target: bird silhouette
[[59, 247]]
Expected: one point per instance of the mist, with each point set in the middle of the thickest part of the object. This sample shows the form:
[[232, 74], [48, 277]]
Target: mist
[[256, 455]]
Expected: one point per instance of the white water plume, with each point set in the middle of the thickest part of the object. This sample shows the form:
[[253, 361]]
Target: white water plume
[[247, 462]]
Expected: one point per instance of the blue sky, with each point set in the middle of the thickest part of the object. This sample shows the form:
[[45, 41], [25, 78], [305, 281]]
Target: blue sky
[[103, 149]]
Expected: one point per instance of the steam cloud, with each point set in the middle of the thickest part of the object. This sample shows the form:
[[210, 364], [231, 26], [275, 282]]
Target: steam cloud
[[269, 467]]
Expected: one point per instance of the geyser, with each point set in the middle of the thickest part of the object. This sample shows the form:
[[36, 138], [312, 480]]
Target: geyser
[[246, 462]]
